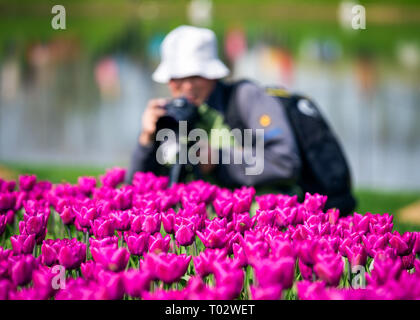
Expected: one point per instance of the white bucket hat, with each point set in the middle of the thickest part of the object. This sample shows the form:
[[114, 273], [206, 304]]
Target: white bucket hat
[[189, 51]]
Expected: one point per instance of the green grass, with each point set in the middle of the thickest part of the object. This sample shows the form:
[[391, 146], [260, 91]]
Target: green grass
[[377, 201], [374, 201]]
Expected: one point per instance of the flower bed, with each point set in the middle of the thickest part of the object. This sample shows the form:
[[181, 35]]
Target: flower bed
[[193, 241]]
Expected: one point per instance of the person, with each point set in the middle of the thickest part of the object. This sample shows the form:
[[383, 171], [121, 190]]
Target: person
[[191, 68]]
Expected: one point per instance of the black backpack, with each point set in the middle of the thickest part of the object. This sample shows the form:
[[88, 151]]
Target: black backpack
[[324, 167]]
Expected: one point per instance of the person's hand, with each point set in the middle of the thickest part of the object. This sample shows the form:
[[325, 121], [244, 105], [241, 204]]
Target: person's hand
[[151, 115]]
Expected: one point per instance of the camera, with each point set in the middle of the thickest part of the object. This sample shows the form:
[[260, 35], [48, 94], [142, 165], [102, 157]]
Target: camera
[[179, 109]]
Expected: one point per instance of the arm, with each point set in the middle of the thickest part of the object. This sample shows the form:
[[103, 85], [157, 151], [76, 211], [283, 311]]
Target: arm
[[281, 162], [144, 155]]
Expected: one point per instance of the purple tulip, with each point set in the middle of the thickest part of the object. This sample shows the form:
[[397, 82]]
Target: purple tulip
[[110, 258], [168, 268], [121, 220], [242, 222], [203, 263], [23, 244], [7, 201], [385, 269], [223, 207], [72, 254], [21, 268], [103, 228], [305, 270], [329, 268], [68, 215], [137, 243], [49, 252], [151, 223], [86, 184], [213, 239], [104, 242], [27, 182], [158, 244], [168, 221], [185, 234], [90, 270], [114, 284], [136, 282], [6, 287], [229, 279], [113, 177], [240, 256], [271, 292], [42, 279], [275, 271], [3, 222]]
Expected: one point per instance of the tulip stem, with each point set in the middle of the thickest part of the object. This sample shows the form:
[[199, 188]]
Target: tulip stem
[[68, 231], [195, 248], [34, 250], [87, 244], [348, 272]]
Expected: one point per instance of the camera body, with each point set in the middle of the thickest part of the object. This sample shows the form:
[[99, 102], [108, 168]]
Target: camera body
[[178, 109]]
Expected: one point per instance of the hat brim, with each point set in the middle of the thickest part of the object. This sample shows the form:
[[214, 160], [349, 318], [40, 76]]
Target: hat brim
[[211, 69]]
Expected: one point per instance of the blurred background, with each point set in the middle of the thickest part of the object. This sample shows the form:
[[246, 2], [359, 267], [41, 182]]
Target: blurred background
[[71, 100]]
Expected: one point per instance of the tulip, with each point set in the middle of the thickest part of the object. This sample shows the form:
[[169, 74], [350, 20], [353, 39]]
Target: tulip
[[158, 244], [168, 221], [68, 215], [104, 242], [305, 270], [223, 207], [271, 292], [6, 287], [7, 201], [357, 255], [314, 203], [86, 184], [385, 269], [21, 268], [113, 177], [27, 182], [121, 220], [213, 239], [114, 284], [137, 243], [90, 270], [185, 235], [168, 267], [151, 223], [42, 279], [103, 228], [23, 244], [242, 222], [110, 258], [329, 268], [3, 222], [203, 263], [136, 282], [229, 279], [49, 252], [240, 256], [72, 254], [275, 271]]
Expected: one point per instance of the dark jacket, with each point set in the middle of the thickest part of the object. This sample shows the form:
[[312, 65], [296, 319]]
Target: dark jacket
[[243, 106]]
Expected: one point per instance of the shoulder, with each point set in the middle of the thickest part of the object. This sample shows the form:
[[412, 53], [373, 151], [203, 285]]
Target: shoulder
[[247, 93]]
